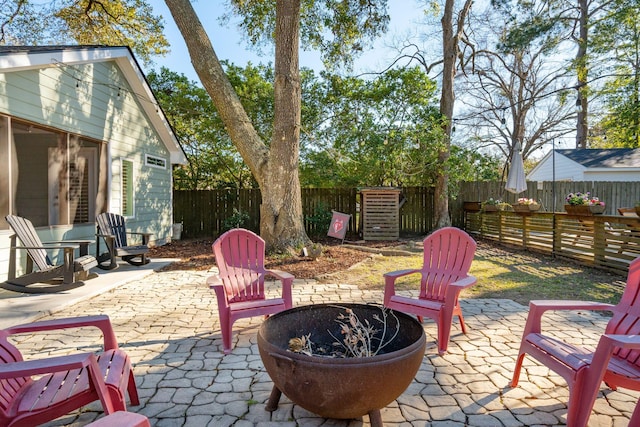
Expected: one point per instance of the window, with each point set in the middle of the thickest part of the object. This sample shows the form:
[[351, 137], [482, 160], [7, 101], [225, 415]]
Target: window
[[127, 187], [54, 178], [155, 162]]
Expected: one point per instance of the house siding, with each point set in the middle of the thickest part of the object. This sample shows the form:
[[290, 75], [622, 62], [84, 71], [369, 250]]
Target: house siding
[[565, 170], [617, 175], [95, 100]]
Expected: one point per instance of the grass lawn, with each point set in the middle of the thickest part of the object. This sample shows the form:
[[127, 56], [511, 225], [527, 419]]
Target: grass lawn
[[502, 273]]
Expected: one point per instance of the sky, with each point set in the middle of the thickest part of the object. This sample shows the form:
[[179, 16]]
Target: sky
[[228, 44], [405, 17]]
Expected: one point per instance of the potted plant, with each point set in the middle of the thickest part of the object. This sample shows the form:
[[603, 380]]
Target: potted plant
[[491, 205], [526, 205], [583, 204]]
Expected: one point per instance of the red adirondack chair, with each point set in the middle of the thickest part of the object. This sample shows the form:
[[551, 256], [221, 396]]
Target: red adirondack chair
[[36, 391], [239, 286], [121, 419], [448, 253], [616, 359]]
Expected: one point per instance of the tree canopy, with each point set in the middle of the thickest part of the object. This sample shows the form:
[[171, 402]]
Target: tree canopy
[[109, 22]]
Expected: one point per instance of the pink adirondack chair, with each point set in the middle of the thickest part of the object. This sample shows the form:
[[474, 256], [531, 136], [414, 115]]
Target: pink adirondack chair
[[121, 419], [616, 359], [448, 253], [239, 286], [36, 391]]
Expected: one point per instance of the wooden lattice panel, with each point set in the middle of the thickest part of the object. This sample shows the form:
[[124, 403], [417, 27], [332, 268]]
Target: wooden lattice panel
[[381, 214]]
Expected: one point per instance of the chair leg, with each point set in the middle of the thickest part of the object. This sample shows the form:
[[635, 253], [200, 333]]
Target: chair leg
[[516, 369], [444, 332], [635, 418], [445, 320], [225, 328], [133, 390], [578, 411], [462, 325]]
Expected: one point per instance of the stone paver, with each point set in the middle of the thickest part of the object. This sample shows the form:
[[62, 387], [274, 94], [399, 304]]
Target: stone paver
[[168, 323]]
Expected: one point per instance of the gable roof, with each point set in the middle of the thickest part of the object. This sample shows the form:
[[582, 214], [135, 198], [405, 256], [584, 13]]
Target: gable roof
[[603, 158], [17, 58]]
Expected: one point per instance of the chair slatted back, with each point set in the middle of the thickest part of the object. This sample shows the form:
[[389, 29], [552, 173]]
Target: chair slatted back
[[9, 387], [626, 314], [239, 255], [448, 253], [113, 224], [27, 235]]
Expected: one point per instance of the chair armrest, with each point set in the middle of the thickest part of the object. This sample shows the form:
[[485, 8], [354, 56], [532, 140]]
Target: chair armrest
[[72, 242], [214, 280], [139, 233], [607, 345], [28, 368], [463, 283], [49, 246], [108, 238], [399, 273], [390, 282], [83, 244], [145, 236], [215, 283], [538, 307], [287, 282], [100, 321], [281, 275]]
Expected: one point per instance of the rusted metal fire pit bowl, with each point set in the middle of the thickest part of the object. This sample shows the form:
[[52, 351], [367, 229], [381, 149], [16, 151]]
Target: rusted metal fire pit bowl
[[342, 388]]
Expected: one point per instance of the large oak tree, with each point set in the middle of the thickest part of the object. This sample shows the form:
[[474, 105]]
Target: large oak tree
[[274, 163]]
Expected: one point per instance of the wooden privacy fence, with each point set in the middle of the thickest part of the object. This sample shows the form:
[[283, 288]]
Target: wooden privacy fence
[[203, 212], [605, 241]]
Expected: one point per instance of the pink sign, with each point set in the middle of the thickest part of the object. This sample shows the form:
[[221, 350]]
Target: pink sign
[[339, 225]]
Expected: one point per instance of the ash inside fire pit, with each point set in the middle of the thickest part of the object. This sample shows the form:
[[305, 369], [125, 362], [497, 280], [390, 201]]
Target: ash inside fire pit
[[323, 325], [356, 337]]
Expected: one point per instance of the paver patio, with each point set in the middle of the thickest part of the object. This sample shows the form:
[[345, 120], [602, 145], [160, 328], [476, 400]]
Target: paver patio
[[168, 324]]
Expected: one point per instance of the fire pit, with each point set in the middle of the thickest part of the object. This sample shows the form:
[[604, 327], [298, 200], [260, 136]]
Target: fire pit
[[334, 387]]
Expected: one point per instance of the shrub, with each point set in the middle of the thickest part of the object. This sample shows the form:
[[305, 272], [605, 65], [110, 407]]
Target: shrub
[[320, 220], [239, 219]]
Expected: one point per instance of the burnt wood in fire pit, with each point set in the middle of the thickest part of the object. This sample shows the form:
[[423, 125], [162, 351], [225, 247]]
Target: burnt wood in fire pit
[[339, 387]]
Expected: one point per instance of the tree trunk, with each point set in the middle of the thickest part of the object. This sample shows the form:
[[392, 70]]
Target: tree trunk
[[450, 51], [447, 99], [281, 210], [582, 126], [275, 168]]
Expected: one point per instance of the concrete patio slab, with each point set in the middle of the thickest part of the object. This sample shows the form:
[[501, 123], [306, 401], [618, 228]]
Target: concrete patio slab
[[168, 323]]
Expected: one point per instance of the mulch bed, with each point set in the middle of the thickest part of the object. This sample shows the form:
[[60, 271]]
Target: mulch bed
[[198, 255]]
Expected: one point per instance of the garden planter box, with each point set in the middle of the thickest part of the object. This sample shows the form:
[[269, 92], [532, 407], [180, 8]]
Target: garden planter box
[[521, 208], [490, 208], [472, 206], [584, 209]]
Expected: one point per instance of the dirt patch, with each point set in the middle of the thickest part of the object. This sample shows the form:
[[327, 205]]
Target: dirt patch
[[198, 255]]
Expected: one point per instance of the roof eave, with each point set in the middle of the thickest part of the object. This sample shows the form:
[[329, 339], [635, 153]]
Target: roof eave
[[122, 55]]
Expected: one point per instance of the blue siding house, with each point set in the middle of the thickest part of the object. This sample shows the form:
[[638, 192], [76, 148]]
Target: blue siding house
[[82, 133]]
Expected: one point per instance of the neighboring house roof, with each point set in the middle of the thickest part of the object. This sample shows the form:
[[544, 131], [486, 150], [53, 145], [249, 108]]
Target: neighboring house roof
[[17, 58], [604, 158]]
